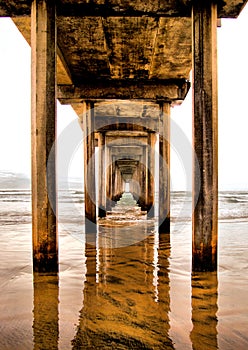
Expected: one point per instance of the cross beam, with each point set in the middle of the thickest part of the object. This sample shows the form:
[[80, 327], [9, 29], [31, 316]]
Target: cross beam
[[153, 8], [154, 90]]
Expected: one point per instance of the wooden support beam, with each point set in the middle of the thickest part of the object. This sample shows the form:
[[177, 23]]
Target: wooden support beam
[[153, 90], [205, 136], [89, 168], [44, 196], [164, 169], [102, 177]]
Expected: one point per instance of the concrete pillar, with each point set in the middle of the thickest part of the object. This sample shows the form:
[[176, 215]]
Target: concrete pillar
[[135, 184], [115, 183], [89, 167], [108, 178], [151, 139], [44, 194], [142, 180], [205, 136], [119, 184], [112, 182], [102, 177], [131, 186], [145, 157], [164, 168]]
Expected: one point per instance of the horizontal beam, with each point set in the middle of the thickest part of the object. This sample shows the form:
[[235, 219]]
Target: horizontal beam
[[126, 123], [126, 10], [125, 144], [153, 8], [15, 8], [127, 151], [171, 90], [114, 133]]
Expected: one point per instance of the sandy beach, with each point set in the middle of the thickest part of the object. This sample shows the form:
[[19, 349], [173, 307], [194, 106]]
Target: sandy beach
[[139, 296]]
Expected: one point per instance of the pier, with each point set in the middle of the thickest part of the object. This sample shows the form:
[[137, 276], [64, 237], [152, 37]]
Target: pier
[[138, 58]]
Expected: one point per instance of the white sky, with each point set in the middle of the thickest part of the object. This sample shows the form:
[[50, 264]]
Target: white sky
[[233, 110]]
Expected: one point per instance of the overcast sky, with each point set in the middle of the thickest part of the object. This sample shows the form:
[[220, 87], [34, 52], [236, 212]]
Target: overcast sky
[[233, 110]]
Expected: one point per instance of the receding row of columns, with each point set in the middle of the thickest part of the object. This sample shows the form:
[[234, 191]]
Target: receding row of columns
[[205, 185], [121, 163], [143, 180]]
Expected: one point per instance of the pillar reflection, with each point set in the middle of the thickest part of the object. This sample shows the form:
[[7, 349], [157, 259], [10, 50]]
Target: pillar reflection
[[45, 312], [126, 295], [163, 274], [204, 310]]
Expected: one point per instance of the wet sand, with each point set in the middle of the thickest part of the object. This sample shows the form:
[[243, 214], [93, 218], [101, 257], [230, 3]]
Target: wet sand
[[139, 296]]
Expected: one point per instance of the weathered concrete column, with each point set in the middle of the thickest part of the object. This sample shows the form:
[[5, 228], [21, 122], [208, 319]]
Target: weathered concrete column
[[115, 183], [141, 172], [164, 168], [151, 139], [145, 157], [112, 179], [89, 168], [205, 135], [108, 177], [131, 187], [135, 184], [102, 177], [44, 196], [119, 184], [143, 179]]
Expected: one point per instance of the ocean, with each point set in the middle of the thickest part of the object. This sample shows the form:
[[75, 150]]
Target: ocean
[[133, 290]]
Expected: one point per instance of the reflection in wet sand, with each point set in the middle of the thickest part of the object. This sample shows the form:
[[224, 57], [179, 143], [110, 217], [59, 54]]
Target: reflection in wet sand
[[139, 292], [204, 310], [46, 317], [127, 306]]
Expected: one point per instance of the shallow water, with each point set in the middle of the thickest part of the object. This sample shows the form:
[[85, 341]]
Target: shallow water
[[134, 290]]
